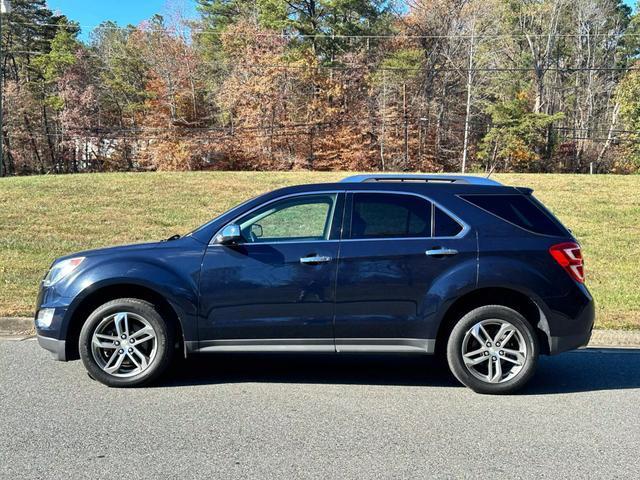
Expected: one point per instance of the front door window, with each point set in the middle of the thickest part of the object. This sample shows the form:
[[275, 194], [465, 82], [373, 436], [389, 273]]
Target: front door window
[[300, 218]]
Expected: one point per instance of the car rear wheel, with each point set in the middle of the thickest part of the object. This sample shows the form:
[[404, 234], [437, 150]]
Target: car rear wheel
[[126, 343], [493, 349]]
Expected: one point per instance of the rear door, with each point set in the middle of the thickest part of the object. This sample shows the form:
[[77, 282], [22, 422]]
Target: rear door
[[395, 246]]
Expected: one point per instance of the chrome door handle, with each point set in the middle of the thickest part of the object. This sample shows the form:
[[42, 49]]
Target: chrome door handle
[[436, 252], [315, 259]]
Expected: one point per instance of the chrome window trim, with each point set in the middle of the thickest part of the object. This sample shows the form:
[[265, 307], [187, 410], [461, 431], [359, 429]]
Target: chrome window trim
[[465, 227]]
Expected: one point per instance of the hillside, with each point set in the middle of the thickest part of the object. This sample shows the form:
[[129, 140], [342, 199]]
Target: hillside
[[48, 216]]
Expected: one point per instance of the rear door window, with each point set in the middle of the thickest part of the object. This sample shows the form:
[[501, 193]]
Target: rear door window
[[518, 210], [388, 215]]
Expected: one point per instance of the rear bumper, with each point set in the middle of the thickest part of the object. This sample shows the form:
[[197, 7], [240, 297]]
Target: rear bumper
[[55, 346], [569, 342], [568, 332]]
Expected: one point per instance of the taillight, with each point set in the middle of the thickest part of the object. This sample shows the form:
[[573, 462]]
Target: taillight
[[569, 256]]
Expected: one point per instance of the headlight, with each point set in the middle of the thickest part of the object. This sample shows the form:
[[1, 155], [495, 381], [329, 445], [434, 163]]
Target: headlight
[[61, 269], [45, 317]]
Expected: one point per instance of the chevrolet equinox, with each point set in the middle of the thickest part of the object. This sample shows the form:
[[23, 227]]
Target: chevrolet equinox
[[460, 265]]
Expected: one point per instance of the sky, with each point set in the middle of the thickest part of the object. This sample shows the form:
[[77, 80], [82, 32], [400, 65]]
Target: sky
[[89, 13]]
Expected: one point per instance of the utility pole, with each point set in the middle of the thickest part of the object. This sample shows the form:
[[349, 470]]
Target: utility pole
[[384, 110], [5, 7], [467, 117], [406, 124]]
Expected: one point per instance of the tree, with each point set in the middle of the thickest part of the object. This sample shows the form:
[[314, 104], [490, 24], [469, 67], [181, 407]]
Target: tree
[[515, 134], [627, 97]]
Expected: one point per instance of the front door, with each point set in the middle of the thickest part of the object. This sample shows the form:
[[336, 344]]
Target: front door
[[395, 248], [276, 288]]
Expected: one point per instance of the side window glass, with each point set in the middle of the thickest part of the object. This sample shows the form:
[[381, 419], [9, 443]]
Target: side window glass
[[305, 217], [519, 210], [444, 225], [387, 215]]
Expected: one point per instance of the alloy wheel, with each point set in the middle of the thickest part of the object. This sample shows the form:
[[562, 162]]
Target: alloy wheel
[[124, 344], [494, 351]]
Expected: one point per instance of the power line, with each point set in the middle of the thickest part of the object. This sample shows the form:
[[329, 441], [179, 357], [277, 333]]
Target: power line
[[330, 36], [259, 66]]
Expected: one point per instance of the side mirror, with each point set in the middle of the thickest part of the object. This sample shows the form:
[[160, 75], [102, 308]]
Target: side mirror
[[229, 234]]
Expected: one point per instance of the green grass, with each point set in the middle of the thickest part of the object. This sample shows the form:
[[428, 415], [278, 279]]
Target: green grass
[[44, 217]]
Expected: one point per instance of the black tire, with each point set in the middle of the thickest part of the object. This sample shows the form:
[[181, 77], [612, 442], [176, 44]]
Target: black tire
[[164, 335], [464, 374]]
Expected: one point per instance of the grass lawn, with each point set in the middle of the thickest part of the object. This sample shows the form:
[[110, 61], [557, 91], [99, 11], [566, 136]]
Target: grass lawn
[[47, 216]]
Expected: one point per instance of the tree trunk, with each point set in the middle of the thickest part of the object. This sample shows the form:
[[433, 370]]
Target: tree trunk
[[406, 125], [467, 116], [607, 143]]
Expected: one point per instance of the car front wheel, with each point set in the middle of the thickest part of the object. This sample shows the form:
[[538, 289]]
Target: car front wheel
[[126, 343], [493, 349]]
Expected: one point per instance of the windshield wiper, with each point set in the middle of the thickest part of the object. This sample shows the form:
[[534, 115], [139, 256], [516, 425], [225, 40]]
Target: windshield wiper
[[173, 237]]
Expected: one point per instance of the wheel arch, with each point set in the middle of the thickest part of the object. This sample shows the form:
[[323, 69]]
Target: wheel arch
[[98, 296], [508, 297]]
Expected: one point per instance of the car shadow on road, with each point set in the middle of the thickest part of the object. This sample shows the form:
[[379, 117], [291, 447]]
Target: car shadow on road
[[587, 370], [579, 371]]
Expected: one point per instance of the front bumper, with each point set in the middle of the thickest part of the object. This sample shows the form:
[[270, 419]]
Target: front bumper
[[57, 347], [52, 337]]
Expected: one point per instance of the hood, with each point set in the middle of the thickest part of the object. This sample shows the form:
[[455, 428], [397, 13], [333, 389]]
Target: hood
[[110, 250]]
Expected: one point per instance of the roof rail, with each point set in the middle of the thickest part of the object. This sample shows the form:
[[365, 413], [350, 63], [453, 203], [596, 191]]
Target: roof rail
[[420, 178]]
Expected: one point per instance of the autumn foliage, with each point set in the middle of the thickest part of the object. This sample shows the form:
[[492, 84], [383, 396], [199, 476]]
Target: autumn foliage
[[326, 85]]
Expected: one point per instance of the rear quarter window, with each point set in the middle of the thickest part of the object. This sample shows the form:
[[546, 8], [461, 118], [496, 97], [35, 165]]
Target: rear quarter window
[[519, 210], [444, 225]]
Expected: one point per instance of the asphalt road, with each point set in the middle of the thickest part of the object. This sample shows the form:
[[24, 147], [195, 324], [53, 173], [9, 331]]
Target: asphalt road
[[318, 417]]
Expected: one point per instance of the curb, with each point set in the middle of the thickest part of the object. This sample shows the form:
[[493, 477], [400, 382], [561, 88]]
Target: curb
[[615, 338], [20, 326], [15, 326]]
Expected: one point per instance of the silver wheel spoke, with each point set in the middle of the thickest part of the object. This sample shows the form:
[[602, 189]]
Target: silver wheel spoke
[[476, 357], [144, 361], [116, 365], [143, 335], [508, 337], [490, 371], [497, 371], [104, 341], [135, 362], [117, 320], [484, 332], [480, 334], [519, 356], [504, 328], [111, 361]]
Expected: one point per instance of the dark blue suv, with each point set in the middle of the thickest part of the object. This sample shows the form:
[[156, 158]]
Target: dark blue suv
[[465, 266]]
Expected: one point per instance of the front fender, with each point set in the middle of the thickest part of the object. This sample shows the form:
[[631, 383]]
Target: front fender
[[178, 287]]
